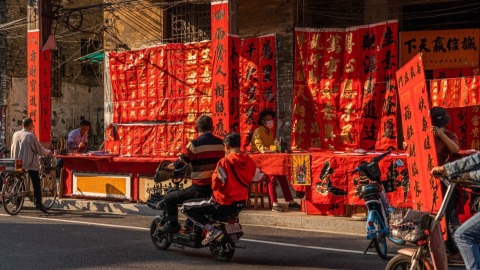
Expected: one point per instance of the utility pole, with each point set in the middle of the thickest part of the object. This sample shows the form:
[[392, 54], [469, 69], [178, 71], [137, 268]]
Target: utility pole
[[3, 78], [39, 67]]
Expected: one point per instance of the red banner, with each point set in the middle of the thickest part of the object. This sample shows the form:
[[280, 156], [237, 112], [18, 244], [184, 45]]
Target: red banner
[[258, 89], [220, 67], [416, 122], [379, 63], [38, 85], [346, 77]]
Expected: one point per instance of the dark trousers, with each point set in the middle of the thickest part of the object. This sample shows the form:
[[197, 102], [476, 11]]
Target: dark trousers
[[173, 199], [59, 166], [451, 206], [198, 209], [37, 189]]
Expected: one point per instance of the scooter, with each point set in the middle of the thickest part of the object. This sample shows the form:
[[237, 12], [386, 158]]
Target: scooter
[[222, 249], [423, 229]]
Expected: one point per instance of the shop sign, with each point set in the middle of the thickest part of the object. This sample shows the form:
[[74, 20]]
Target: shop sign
[[442, 48]]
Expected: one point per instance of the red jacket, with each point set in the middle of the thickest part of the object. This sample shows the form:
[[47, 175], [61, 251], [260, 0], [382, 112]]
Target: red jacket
[[232, 190]]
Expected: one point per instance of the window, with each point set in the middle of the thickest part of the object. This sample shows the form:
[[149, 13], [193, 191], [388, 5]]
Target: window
[[88, 47], [189, 23]]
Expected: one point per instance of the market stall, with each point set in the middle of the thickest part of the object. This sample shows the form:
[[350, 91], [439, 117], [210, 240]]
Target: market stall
[[121, 177]]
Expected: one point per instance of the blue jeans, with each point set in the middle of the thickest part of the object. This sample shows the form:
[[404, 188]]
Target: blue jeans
[[467, 238]]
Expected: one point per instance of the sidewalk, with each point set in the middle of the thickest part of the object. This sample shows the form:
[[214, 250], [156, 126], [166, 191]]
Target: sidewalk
[[287, 219]]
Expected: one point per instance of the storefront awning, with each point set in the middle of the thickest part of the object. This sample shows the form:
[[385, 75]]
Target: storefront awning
[[95, 57]]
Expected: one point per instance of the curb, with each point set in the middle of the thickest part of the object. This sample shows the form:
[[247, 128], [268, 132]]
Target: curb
[[264, 218]]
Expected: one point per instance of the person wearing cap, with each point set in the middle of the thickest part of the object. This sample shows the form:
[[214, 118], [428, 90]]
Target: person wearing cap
[[447, 145], [262, 138], [446, 142]]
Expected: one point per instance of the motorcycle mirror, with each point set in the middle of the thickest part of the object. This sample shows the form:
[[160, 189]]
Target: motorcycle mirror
[[399, 163]]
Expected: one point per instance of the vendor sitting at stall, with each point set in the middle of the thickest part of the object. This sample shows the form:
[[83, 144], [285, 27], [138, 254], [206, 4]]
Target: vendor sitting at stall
[[261, 140], [77, 139]]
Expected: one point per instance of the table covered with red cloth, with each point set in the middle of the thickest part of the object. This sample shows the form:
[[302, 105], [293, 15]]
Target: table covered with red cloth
[[316, 201], [343, 184], [109, 164]]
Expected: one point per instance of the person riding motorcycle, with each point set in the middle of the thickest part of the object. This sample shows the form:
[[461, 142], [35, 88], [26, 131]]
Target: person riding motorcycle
[[230, 182], [203, 154], [467, 236]]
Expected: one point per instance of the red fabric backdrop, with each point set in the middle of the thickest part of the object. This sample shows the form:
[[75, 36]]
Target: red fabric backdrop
[[344, 87]]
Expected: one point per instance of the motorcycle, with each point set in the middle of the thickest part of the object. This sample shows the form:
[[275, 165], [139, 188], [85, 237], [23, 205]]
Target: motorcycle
[[222, 249]]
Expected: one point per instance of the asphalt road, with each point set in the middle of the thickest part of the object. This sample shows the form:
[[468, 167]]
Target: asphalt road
[[75, 239]]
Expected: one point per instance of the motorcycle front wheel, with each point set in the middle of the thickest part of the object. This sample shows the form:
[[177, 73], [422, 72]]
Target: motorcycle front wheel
[[380, 242], [403, 262], [160, 240]]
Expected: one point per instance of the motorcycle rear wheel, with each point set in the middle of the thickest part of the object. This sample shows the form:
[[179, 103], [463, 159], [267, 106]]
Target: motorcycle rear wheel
[[221, 255], [402, 262], [160, 240]]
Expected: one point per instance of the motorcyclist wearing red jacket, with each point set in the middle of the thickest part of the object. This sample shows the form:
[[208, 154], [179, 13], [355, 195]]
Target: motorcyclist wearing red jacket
[[230, 182]]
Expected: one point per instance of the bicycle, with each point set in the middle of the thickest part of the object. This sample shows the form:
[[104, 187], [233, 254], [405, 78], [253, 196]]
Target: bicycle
[[423, 230], [17, 186], [379, 210]]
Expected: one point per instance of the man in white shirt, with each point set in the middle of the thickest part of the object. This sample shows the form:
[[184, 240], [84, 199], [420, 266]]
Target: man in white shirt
[[77, 139], [26, 147]]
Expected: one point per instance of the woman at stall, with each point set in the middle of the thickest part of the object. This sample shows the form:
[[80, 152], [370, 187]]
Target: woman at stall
[[262, 139]]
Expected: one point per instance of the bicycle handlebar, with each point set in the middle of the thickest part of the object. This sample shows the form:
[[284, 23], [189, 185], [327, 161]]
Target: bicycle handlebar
[[376, 159]]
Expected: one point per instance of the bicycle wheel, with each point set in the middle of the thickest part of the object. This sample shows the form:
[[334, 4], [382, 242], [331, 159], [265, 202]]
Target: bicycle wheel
[[49, 189], [13, 194], [380, 242], [403, 262]]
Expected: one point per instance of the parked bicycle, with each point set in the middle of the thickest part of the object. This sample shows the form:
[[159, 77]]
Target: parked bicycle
[[372, 192], [17, 186]]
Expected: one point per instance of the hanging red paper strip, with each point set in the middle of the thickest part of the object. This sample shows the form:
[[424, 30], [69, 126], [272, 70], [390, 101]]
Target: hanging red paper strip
[[249, 84], [38, 85], [379, 62], [350, 102], [329, 84], [416, 122], [387, 65], [268, 73], [473, 127], [304, 107], [221, 67], [257, 82], [458, 124]]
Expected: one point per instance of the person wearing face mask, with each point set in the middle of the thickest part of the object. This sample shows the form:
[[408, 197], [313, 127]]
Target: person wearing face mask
[[262, 138]]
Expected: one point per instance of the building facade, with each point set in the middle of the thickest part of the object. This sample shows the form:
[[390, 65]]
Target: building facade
[[76, 88]]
